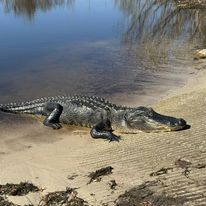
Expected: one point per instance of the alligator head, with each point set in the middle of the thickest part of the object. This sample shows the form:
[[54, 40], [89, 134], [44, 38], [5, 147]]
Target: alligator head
[[146, 119]]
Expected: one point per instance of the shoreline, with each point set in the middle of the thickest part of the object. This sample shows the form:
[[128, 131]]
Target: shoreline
[[46, 157], [152, 95]]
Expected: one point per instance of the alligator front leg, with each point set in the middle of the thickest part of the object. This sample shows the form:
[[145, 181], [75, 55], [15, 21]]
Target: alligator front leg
[[53, 111], [103, 130]]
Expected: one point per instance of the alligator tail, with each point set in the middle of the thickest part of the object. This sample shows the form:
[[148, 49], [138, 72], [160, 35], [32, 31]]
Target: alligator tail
[[23, 108]]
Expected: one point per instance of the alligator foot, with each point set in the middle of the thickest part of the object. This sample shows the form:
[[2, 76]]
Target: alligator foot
[[54, 111], [103, 130], [104, 135], [52, 125], [112, 137]]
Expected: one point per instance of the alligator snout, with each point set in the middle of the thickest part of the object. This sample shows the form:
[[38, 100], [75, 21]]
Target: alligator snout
[[181, 122]]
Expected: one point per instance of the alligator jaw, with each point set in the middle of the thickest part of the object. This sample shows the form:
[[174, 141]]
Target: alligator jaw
[[147, 120], [166, 123]]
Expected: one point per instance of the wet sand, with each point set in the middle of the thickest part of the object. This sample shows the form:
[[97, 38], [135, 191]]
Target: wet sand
[[31, 152]]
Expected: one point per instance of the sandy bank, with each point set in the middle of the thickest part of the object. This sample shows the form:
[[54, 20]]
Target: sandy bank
[[31, 152]]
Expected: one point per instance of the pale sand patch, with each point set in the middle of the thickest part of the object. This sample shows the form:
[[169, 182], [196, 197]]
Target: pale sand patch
[[32, 152]]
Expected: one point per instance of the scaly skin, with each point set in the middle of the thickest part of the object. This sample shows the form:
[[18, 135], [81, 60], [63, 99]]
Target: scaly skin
[[96, 113]]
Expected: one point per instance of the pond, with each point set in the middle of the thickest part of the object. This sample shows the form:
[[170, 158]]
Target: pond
[[129, 51]]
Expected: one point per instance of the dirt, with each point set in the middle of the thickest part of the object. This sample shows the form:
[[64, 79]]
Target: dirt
[[96, 176], [5, 202], [145, 195], [63, 198], [162, 171], [191, 4], [183, 163], [20, 189], [72, 177], [112, 184], [200, 166]]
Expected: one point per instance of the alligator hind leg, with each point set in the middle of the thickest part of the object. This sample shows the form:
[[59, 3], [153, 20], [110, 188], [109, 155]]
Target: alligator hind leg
[[104, 130], [53, 111]]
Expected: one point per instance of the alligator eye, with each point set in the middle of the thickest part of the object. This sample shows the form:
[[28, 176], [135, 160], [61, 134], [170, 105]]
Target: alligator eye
[[150, 111]]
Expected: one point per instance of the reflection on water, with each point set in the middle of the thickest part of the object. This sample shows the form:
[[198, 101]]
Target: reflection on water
[[113, 48], [155, 18], [29, 7], [159, 31]]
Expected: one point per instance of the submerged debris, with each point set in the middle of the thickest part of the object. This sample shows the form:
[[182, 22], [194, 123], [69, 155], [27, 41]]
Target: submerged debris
[[96, 176], [64, 198], [144, 195], [162, 171], [20, 189]]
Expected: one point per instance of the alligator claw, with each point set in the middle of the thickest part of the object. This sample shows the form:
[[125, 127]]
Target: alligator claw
[[113, 137], [52, 125], [56, 126], [107, 135]]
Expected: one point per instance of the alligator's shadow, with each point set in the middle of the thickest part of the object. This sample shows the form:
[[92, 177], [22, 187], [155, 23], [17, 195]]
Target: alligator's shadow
[[186, 127]]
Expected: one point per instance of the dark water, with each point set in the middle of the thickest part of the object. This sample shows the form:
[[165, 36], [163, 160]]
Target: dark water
[[119, 49]]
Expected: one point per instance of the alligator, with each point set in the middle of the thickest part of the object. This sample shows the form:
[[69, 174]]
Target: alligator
[[102, 116]]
